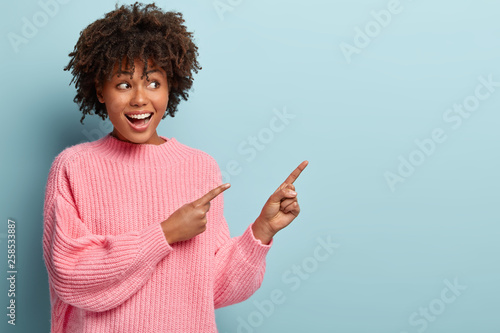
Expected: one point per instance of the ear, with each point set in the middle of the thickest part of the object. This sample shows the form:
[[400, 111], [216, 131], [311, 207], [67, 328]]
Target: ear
[[98, 89]]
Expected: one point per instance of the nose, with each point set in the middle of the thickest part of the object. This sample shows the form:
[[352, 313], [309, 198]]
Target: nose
[[139, 97]]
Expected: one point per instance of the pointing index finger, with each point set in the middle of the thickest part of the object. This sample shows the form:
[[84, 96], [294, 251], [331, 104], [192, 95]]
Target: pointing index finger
[[296, 173], [213, 194]]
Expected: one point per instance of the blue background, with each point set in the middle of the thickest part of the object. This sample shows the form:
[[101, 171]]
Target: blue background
[[356, 117]]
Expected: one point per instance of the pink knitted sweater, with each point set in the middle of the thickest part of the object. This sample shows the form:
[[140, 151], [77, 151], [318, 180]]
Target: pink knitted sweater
[[110, 267]]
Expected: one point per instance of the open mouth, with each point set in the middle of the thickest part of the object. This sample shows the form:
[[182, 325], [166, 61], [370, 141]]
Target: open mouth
[[139, 119]]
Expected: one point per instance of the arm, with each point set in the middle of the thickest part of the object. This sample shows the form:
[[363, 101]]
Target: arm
[[240, 261], [94, 272], [239, 267]]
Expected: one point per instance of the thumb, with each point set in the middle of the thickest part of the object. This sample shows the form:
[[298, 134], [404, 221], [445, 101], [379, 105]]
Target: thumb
[[285, 191]]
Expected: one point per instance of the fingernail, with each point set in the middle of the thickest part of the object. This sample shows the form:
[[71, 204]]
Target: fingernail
[[293, 193]]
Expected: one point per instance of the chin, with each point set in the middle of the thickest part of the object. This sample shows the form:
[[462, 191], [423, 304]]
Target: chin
[[134, 137]]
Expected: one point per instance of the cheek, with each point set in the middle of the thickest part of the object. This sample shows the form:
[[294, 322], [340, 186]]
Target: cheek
[[115, 104], [115, 118], [165, 101], [165, 98], [160, 104]]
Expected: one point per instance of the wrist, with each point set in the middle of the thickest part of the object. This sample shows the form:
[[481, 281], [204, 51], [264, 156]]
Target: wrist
[[169, 237], [262, 232]]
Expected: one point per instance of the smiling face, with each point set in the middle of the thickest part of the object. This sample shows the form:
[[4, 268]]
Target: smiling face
[[135, 106]]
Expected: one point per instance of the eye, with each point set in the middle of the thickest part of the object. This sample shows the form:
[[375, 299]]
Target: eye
[[123, 86], [154, 84]]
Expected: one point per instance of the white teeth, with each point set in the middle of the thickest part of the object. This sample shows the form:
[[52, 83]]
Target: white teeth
[[139, 116]]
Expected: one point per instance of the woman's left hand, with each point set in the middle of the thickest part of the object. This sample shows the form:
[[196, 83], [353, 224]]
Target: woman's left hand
[[280, 209]]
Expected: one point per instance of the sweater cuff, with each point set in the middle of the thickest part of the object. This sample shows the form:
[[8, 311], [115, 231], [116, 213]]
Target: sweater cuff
[[153, 244], [251, 248]]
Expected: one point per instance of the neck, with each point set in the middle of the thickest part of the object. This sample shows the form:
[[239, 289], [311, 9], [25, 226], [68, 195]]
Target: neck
[[153, 140]]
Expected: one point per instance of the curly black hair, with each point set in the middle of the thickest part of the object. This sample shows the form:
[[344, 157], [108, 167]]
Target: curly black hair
[[128, 33]]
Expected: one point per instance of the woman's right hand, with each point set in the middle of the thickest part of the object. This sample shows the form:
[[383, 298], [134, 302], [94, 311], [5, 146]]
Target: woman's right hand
[[190, 219]]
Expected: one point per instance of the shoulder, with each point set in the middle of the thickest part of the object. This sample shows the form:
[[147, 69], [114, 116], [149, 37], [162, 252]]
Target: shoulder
[[73, 153], [58, 180], [198, 155], [201, 165]]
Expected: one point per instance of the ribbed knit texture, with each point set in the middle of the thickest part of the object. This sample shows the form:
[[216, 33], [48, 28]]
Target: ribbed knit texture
[[110, 267]]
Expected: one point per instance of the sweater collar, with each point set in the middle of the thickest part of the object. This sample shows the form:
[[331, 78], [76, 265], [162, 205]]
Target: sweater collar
[[141, 153]]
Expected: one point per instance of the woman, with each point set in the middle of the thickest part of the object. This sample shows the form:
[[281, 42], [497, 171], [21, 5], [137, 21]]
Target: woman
[[134, 234]]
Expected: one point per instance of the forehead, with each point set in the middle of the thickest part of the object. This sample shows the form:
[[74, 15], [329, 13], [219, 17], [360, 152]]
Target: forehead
[[137, 66]]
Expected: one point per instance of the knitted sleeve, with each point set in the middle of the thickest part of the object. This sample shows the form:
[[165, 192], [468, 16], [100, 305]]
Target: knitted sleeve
[[240, 267], [240, 262], [88, 271]]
